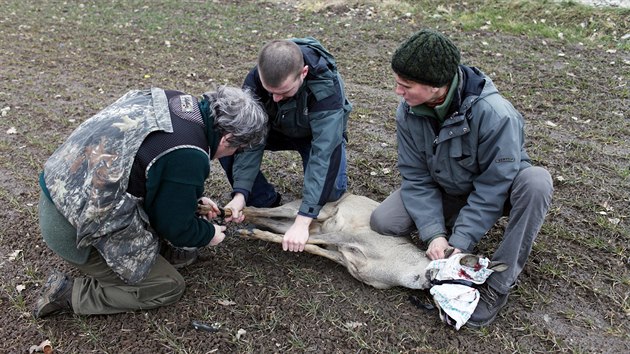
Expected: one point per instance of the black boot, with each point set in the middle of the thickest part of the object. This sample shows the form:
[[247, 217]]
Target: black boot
[[490, 303], [179, 257], [56, 295]]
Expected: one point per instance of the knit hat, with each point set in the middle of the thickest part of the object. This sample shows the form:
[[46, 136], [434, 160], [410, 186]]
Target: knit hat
[[427, 57]]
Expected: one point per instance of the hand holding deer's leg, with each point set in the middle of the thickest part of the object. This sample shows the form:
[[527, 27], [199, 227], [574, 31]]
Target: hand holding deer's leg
[[236, 205], [297, 235], [210, 210]]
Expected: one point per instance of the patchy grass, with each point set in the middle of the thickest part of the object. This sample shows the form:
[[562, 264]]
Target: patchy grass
[[563, 65]]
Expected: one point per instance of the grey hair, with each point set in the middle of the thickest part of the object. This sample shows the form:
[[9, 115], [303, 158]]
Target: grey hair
[[236, 111]]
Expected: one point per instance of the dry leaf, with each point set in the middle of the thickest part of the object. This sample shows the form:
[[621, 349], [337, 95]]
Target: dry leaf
[[614, 221], [44, 347], [551, 124], [13, 255], [226, 302], [353, 324]]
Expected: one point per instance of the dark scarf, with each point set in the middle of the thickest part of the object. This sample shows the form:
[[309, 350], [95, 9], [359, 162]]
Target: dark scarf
[[212, 134]]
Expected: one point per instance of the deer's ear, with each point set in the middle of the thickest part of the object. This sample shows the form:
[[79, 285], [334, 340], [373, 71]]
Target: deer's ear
[[498, 266], [449, 252], [469, 260]]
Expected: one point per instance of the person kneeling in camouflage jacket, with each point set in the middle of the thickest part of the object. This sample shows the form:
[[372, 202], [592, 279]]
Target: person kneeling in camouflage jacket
[[129, 179]]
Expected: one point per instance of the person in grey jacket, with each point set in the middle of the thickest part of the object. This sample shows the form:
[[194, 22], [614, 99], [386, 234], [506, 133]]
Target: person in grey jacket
[[298, 84], [463, 164]]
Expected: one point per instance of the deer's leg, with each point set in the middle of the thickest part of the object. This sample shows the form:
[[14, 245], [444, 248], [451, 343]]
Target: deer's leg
[[328, 238], [261, 235], [277, 219], [333, 255], [288, 211], [280, 226], [309, 247]]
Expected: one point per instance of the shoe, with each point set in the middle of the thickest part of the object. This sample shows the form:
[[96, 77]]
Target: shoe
[[179, 257], [490, 303], [56, 295], [277, 201]]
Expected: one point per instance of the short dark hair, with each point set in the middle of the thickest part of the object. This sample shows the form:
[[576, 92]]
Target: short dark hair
[[278, 60]]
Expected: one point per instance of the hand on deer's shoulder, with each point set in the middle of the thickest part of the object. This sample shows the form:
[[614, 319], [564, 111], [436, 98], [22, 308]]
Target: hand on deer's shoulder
[[219, 235], [297, 235], [236, 205], [438, 247]]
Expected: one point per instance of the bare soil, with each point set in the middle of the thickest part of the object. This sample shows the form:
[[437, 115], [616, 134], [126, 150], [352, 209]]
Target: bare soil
[[61, 62]]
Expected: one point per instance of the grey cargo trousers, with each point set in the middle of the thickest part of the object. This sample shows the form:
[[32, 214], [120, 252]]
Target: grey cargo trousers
[[102, 291], [530, 199]]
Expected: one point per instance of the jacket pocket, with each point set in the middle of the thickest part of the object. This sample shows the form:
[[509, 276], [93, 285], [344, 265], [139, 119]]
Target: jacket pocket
[[292, 120]]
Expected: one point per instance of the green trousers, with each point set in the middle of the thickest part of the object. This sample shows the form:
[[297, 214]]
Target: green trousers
[[101, 291]]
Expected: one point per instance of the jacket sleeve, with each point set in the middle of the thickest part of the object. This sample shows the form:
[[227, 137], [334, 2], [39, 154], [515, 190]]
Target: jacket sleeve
[[499, 155], [420, 193], [247, 164], [246, 167], [323, 164], [327, 119], [174, 185]]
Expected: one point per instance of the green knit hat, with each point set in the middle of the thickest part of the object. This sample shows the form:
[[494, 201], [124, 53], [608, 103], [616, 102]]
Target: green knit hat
[[427, 57]]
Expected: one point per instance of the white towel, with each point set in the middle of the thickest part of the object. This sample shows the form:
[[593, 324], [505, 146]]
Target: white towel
[[456, 300]]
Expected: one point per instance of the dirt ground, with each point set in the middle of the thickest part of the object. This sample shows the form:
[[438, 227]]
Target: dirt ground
[[61, 62]]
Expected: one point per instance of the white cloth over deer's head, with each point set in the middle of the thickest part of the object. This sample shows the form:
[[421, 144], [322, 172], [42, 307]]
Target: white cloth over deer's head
[[454, 282]]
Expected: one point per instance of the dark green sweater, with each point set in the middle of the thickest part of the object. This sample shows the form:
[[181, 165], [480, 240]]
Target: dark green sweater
[[174, 184]]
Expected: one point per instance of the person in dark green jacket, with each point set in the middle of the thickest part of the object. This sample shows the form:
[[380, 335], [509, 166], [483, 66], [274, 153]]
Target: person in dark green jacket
[[298, 84], [463, 164], [128, 179]]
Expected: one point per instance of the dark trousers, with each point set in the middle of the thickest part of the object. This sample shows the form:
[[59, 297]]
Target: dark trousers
[[263, 193]]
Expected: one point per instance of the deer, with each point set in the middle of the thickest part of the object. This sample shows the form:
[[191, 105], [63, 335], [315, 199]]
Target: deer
[[342, 234]]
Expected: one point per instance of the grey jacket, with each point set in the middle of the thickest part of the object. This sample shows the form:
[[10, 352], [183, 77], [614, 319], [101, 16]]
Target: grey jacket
[[476, 154]]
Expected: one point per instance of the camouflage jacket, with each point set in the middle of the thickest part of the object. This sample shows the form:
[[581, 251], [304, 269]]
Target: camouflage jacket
[[87, 177]]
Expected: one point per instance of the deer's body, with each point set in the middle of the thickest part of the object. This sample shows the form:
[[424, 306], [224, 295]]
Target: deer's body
[[342, 233]]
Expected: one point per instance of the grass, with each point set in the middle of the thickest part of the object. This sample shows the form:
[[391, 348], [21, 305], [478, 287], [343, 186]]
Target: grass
[[558, 62]]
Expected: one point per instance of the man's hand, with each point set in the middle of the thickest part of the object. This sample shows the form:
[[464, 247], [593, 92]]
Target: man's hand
[[214, 208], [438, 246], [236, 205], [219, 235], [297, 235]]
